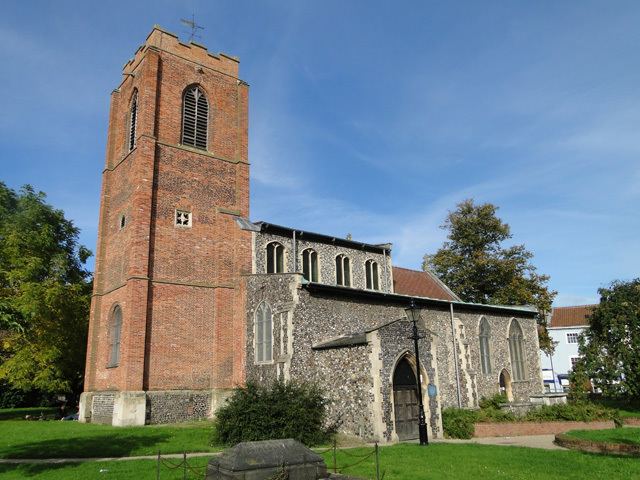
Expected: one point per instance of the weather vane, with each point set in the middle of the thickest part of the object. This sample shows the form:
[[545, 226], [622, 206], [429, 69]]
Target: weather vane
[[193, 26]]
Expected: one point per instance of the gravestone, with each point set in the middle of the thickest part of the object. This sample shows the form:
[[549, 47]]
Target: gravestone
[[265, 459]]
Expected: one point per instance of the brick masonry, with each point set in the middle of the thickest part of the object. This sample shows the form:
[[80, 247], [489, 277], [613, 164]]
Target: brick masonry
[[516, 429], [179, 288]]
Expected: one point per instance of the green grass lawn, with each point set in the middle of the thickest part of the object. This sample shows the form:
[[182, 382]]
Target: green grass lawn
[[627, 410], [19, 413], [56, 439], [129, 469], [399, 462], [629, 436], [485, 462]]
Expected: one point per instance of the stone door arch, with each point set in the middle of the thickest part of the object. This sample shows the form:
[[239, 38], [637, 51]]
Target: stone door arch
[[405, 400], [505, 384]]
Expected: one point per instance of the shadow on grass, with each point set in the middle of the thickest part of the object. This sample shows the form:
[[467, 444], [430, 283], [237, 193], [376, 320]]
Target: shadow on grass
[[86, 446], [36, 469]]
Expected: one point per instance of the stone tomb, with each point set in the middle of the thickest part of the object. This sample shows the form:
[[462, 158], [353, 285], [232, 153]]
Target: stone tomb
[[267, 459]]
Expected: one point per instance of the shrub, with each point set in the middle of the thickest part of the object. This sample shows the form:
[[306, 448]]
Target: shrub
[[458, 422], [493, 402], [280, 410], [495, 415], [575, 412]]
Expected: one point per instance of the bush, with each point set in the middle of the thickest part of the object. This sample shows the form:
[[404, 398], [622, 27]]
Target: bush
[[493, 402], [495, 415], [573, 412], [280, 410], [458, 422]]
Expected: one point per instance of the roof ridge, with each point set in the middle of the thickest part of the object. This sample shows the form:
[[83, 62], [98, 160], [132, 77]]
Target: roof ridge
[[577, 306]]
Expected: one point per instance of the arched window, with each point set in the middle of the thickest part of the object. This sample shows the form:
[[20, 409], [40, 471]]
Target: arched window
[[263, 333], [195, 118], [275, 258], [133, 120], [310, 265], [371, 274], [114, 336], [485, 353], [515, 350], [343, 271]]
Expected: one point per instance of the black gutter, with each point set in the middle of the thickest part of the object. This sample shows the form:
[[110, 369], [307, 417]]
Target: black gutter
[[404, 300], [318, 237]]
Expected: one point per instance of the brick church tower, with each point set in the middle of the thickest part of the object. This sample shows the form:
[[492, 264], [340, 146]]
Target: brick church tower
[[166, 334]]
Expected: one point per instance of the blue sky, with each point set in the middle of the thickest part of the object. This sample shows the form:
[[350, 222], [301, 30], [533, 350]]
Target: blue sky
[[369, 118]]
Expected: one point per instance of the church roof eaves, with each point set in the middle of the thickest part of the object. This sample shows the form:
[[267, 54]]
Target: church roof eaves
[[419, 301], [319, 237]]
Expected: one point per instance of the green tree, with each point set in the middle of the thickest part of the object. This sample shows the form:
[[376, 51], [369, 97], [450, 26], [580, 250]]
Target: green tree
[[474, 263], [45, 294], [610, 347]]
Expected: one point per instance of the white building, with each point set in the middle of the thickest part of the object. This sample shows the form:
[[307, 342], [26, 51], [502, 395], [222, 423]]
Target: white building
[[565, 327]]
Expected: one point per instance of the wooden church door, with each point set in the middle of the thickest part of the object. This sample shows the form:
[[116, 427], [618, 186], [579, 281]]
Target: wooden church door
[[405, 401]]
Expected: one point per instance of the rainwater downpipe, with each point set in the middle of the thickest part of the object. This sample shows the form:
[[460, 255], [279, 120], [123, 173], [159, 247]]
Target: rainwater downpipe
[[455, 355], [386, 274], [295, 254]]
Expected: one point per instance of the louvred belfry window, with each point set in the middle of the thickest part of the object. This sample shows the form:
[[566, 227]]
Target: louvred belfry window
[[133, 118], [195, 117]]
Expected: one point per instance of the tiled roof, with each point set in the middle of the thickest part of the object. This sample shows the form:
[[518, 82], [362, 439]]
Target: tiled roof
[[420, 284], [571, 316]]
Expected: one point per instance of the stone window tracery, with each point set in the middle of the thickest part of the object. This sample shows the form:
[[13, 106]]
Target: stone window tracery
[[264, 333], [310, 265], [275, 258], [516, 350], [183, 218], [114, 336], [371, 275], [195, 118], [133, 120], [343, 271], [485, 352]]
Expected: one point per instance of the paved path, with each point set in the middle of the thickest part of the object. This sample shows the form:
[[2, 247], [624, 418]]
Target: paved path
[[532, 441]]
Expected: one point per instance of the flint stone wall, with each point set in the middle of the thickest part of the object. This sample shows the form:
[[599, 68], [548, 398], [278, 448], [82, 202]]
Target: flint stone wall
[[348, 374], [395, 344], [177, 406], [474, 384], [327, 254], [344, 373]]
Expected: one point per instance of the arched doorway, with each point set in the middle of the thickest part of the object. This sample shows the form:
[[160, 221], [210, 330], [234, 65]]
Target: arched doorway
[[505, 385], [405, 401]]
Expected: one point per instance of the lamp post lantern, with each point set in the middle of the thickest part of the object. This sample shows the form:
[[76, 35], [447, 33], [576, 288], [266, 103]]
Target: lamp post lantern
[[413, 314]]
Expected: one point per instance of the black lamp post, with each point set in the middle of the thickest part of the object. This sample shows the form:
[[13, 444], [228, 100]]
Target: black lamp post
[[413, 314]]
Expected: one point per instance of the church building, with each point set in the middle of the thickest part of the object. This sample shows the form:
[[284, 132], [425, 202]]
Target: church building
[[192, 298]]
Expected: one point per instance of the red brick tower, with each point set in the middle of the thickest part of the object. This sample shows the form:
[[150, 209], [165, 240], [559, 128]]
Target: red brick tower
[[166, 334]]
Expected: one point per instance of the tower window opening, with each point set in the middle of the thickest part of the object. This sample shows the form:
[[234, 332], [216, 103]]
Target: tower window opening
[[195, 118], [183, 218], [133, 119]]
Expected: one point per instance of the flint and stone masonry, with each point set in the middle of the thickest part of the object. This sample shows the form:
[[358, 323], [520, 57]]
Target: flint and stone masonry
[[188, 294]]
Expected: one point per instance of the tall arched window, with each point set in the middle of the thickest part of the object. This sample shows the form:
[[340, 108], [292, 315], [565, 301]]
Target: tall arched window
[[343, 271], [263, 333], [114, 336], [516, 351], [485, 353], [371, 274], [133, 120], [310, 265], [195, 118], [275, 258]]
